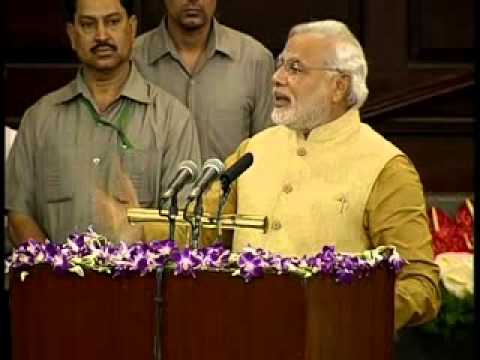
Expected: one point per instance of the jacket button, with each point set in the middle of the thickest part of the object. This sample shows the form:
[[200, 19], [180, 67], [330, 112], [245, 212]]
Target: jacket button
[[287, 188], [301, 151], [276, 225]]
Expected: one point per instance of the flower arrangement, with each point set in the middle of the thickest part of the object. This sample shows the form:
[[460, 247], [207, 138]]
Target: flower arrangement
[[92, 251], [453, 246]]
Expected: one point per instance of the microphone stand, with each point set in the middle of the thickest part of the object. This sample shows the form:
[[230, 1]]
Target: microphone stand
[[172, 213], [197, 221], [185, 214], [226, 189]]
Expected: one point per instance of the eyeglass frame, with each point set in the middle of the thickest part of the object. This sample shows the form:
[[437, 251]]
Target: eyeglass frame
[[290, 69]]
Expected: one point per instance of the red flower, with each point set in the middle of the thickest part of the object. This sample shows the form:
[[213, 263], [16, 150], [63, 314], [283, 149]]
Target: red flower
[[452, 235], [464, 219]]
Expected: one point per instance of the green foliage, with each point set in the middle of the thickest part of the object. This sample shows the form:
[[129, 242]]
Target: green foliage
[[455, 320]]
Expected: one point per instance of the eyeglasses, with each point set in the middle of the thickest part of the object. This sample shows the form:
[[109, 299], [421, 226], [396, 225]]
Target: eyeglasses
[[294, 67]]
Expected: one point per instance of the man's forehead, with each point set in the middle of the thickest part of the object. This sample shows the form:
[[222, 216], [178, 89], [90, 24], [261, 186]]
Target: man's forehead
[[98, 7], [311, 46]]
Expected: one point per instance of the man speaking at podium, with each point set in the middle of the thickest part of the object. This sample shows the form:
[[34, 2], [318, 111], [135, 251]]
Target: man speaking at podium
[[324, 178]]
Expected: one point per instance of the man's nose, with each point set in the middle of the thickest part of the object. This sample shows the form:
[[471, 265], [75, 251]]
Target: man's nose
[[101, 32], [279, 76]]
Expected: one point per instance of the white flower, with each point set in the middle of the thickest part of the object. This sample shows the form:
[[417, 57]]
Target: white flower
[[456, 272], [23, 275], [40, 258], [77, 269]]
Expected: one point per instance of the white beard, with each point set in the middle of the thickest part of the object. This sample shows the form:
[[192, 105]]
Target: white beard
[[302, 118]]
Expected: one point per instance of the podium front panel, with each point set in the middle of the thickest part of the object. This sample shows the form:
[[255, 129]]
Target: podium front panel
[[211, 317], [216, 317], [64, 316]]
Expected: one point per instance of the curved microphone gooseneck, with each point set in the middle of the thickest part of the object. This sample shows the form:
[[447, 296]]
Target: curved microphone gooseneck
[[227, 178]]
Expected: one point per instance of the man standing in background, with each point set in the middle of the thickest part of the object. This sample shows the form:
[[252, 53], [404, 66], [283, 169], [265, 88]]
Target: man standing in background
[[106, 141], [223, 76]]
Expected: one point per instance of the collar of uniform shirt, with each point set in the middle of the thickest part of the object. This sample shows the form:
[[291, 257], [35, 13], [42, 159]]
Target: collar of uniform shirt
[[136, 88], [217, 42]]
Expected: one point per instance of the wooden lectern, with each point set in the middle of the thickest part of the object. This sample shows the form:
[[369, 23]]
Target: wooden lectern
[[212, 317]]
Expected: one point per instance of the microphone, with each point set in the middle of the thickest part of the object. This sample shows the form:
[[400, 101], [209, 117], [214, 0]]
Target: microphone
[[187, 172], [212, 168], [237, 169]]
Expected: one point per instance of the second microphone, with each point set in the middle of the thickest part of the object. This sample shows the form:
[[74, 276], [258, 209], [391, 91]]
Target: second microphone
[[211, 170]]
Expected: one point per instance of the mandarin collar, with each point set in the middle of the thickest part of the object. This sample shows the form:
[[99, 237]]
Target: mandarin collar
[[341, 127]]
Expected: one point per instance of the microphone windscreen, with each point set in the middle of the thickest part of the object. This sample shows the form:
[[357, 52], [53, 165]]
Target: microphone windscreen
[[211, 169], [191, 167], [215, 164], [233, 172]]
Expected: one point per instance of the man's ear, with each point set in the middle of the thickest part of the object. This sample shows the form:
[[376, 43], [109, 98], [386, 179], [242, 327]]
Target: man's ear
[[71, 35], [133, 24], [342, 87]]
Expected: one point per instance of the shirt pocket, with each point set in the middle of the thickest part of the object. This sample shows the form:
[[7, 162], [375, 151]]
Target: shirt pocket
[[57, 173], [141, 168]]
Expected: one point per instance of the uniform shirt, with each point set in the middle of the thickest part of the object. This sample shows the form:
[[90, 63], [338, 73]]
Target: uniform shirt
[[230, 95], [63, 160], [394, 213]]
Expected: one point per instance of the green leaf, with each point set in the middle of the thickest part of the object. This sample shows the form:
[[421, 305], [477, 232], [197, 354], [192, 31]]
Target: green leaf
[[456, 316]]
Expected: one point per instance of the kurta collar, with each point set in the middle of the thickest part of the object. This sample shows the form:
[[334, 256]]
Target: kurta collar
[[338, 128]]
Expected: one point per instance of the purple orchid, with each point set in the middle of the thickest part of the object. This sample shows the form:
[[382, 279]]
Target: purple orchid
[[186, 261], [163, 247], [214, 257], [89, 250], [61, 263], [283, 265], [251, 265], [395, 262]]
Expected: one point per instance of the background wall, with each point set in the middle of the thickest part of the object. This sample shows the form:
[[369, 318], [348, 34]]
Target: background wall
[[420, 54]]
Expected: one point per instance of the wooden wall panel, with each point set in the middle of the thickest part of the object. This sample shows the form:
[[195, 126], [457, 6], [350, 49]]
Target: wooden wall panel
[[270, 28], [399, 90], [444, 162], [149, 13], [440, 33], [385, 37], [437, 135], [29, 82], [35, 32], [270, 23]]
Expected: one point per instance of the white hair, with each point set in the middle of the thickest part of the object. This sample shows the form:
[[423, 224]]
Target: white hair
[[349, 56]]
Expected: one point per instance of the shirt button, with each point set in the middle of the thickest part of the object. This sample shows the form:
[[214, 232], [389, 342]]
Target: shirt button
[[287, 188], [301, 151], [96, 161], [276, 225]]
